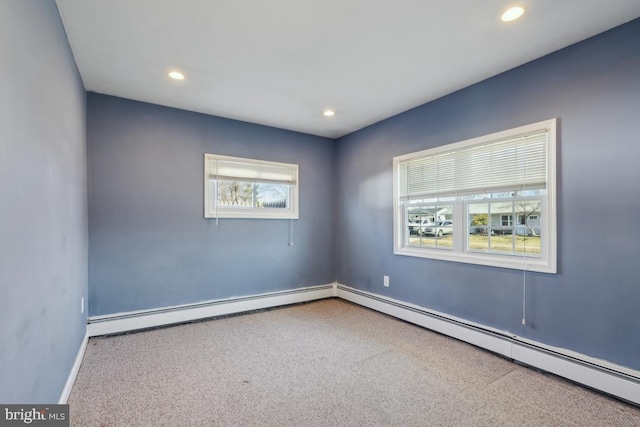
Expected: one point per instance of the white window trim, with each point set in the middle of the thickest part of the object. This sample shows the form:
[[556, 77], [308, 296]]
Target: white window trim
[[244, 212], [546, 263]]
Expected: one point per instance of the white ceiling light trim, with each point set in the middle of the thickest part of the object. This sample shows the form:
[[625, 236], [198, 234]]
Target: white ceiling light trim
[[512, 14], [176, 75]]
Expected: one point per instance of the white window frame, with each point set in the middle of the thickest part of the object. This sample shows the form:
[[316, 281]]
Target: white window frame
[[289, 177], [545, 263]]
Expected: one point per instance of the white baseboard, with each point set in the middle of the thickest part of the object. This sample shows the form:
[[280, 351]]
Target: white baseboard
[[607, 377], [142, 319], [66, 391]]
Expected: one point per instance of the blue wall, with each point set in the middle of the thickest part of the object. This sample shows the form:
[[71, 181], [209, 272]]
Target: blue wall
[[43, 205], [591, 305], [150, 245]]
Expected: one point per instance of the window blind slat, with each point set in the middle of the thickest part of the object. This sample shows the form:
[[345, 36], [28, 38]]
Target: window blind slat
[[238, 171], [516, 163]]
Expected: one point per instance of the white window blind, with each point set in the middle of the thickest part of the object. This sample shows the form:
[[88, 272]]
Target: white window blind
[[515, 163], [233, 170]]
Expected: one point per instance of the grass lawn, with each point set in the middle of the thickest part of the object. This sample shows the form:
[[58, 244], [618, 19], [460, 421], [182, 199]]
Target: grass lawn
[[482, 243]]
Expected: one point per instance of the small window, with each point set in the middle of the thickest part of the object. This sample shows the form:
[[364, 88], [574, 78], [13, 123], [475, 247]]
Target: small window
[[489, 200], [247, 188]]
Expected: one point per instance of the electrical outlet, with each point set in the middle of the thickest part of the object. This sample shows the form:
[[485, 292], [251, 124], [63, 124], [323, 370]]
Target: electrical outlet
[[386, 281], [81, 305]]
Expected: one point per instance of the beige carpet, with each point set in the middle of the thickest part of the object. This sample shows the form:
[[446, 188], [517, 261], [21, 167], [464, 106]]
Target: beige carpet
[[327, 363]]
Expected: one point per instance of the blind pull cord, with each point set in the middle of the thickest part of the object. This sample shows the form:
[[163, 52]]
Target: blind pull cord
[[524, 270], [524, 249], [216, 194], [524, 297], [291, 232]]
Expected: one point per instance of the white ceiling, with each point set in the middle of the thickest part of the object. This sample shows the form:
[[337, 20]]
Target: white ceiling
[[282, 62]]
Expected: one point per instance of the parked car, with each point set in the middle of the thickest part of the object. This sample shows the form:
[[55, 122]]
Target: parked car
[[439, 229], [417, 227]]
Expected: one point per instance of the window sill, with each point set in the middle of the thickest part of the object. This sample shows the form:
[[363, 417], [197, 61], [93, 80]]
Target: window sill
[[513, 262], [252, 215]]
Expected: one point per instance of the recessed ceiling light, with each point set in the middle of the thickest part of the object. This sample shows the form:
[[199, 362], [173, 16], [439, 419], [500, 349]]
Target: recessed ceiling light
[[329, 113], [176, 75], [513, 13]]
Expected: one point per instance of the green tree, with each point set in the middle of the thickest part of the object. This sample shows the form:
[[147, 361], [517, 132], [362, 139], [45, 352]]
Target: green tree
[[480, 219]]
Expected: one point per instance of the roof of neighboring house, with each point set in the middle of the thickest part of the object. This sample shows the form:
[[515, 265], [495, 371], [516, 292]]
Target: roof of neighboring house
[[529, 207]]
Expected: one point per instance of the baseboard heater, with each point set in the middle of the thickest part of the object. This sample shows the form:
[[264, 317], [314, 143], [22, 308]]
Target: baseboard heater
[[616, 380], [145, 319]]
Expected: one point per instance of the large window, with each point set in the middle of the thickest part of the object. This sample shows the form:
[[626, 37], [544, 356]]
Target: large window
[[489, 200], [246, 188]]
